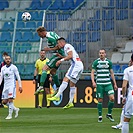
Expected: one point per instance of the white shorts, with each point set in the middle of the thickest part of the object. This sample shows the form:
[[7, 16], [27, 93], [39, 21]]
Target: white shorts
[[9, 92], [128, 107], [74, 72]]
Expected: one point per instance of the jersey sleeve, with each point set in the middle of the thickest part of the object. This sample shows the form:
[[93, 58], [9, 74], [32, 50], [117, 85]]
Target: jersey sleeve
[[125, 77], [17, 76], [94, 65], [1, 76], [36, 64], [110, 64], [68, 48]]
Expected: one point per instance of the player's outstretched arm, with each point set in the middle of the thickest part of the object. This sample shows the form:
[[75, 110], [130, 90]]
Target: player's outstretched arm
[[51, 49]]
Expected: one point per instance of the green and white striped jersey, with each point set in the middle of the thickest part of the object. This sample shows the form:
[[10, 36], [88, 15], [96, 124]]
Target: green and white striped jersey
[[102, 69], [52, 42]]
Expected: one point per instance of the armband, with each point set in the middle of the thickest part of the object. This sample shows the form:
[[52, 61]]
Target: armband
[[34, 77], [62, 59]]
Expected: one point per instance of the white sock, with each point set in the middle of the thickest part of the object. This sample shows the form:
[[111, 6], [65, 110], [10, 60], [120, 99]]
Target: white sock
[[122, 117], [71, 94], [125, 127], [62, 87], [10, 108]]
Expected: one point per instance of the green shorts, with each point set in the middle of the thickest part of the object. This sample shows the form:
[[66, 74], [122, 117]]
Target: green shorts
[[101, 89], [52, 62]]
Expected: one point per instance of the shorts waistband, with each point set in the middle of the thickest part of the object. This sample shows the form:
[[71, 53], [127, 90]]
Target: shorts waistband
[[78, 59]]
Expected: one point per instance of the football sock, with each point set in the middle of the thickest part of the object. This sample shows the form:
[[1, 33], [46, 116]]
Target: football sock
[[56, 80], [11, 108], [110, 107], [48, 101], [122, 116], [71, 94], [43, 78], [40, 98], [62, 87], [99, 106], [125, 127]]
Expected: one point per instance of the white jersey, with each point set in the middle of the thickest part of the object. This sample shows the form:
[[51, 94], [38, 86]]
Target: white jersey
[[128, 108], [10, 73], [76, 68], [128, 75], [68, 48]]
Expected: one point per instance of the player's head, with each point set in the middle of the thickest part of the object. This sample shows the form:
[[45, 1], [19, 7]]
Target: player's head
[[8, 60], [4, 55], [102, 54], [61, 42], [131, 59], [42, 54], [41, 31]]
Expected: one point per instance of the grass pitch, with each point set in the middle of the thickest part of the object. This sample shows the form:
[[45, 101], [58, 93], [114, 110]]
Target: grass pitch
[[57, 120]]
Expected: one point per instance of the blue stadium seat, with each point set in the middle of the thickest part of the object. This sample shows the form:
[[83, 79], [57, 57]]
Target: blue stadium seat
[[35, 38], [50, 17], [79, 37], [121, 15], [56, 5], [89, 37], [26, 36], [97, 15], [83, 27], [110, 14], [3, 4], [30, 25], [81, 48], [6, 36], [68, 5], [95, 36], [35, 5], [39, 23], [109, 25], [20, 16], [3, 47], [131, 5], [62, 17], [34, 15], [8, 26], [111, 3], [45, 4], [116, 68], [51, 25], [20, 67], [18, 36], [123, 67], [78, 2], [20, 25]]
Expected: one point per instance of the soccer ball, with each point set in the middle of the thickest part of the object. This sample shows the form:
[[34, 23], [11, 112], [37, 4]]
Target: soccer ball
[[26, 16]]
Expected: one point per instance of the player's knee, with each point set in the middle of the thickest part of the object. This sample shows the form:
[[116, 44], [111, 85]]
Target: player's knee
[[4, 102], [111, 99], [100, 100]]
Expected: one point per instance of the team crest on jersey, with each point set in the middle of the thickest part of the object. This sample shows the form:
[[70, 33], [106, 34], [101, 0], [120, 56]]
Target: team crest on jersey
[[7, 75]]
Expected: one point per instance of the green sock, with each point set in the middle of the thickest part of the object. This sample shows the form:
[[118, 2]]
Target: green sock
[[56, 80], [43, 78], [110, 107], [99, 106]]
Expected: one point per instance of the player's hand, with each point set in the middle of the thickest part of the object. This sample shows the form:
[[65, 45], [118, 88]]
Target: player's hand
[[58, 62], [20, 89], [124, 100], [115, 87], [34, 81], [94, 85], [46, 48]]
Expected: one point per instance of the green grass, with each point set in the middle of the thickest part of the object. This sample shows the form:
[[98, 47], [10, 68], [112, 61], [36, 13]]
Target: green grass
[[57, 120]]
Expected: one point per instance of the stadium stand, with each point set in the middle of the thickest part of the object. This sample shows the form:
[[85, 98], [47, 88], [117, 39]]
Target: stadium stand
[[84, 23]]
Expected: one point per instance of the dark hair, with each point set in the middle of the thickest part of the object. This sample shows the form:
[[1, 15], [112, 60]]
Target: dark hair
[[42, 50], [41, 29], [61, 38], [5, 53], [132, 57], [102, 49]]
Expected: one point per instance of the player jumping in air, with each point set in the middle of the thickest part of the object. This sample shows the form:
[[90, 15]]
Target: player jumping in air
[[51, 65]]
